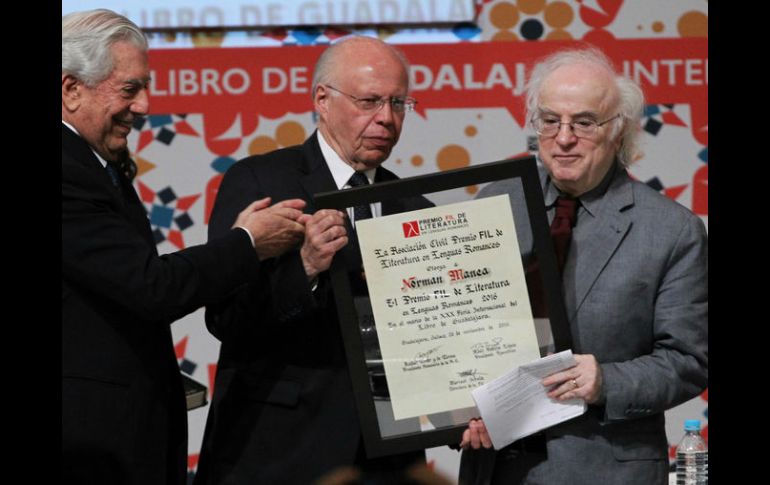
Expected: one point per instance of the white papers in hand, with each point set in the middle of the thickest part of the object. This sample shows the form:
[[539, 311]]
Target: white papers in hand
[[515, 404]]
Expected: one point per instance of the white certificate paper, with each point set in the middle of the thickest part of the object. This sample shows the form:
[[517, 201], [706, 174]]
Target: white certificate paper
[[449, 300], [515, 405]]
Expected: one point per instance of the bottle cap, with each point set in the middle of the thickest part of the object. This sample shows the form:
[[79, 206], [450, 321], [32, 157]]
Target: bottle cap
[[692, 425]]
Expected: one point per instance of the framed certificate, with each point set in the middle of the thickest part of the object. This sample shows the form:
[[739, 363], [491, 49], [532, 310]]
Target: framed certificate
[[444, 299]]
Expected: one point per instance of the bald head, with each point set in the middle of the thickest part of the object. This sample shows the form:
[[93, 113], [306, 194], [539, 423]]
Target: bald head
[[360, 87], [363, 52]]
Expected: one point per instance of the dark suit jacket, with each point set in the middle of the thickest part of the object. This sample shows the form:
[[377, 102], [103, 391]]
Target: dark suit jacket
[[123, 409], [637, 299], [283, 409]]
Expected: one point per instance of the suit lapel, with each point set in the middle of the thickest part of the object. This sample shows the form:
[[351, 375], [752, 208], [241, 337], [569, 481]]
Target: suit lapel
[[615, 225], [316, 177], [77, 148], [315, 174], [127, 202]]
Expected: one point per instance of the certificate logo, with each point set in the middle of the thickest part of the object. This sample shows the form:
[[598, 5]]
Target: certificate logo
[[411, 229], [436, 224]]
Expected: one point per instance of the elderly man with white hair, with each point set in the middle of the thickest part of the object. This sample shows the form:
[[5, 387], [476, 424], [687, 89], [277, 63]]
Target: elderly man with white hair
[[635, 285]]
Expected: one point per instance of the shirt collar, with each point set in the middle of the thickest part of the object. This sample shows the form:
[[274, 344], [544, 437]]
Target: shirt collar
[[590, 200], [593, 198], [98, 157], [340, 170]]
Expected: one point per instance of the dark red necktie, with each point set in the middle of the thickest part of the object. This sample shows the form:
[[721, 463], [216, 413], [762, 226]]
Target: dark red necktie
[[561, 234], [561, 229]]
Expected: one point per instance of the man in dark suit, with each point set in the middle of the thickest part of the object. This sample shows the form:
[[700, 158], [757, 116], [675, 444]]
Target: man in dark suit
[[123, 408], [283, 409], [635, 286]]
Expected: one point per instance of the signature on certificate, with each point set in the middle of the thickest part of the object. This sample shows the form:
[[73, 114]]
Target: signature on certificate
[[487, 346], [426, 354], [471, 373]]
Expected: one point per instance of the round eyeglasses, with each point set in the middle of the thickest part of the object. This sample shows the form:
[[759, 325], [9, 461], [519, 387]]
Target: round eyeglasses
[[399, 104], [548, 125]]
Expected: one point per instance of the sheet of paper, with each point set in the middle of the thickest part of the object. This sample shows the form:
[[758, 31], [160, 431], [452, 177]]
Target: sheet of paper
[[515, 405], [449, 299]]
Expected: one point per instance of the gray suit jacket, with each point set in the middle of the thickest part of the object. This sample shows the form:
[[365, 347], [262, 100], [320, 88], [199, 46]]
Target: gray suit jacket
[[636, 295]]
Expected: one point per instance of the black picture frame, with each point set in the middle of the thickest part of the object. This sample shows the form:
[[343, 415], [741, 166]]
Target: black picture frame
[[523, 168]]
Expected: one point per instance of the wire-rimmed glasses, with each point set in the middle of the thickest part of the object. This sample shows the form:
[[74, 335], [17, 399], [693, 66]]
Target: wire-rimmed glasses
[[399, 104], [549, 125]]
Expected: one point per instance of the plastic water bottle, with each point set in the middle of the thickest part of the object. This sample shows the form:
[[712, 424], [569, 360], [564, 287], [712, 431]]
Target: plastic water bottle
[[692, 456]]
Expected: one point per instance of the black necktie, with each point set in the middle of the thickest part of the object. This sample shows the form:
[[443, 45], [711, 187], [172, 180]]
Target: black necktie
[[561, 235], [113, 173], [360, 212], [359, 288]]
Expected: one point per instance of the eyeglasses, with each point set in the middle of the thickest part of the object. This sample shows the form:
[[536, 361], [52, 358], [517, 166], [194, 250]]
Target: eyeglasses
[[399, 104], [549, 125]]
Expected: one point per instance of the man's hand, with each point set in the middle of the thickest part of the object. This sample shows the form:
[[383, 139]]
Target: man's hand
[[275, 229], [325, 234], [583, 381], [476, 435]]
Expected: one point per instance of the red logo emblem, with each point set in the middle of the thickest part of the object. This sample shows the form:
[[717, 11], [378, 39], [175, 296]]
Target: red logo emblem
[[411, 229]]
